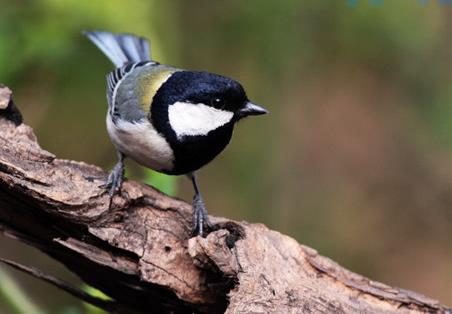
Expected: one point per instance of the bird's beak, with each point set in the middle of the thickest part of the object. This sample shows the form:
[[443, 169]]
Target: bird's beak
[[251, 109]]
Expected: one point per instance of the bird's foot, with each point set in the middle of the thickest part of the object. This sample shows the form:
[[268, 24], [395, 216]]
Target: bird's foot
[[200, 216], [114, 181]]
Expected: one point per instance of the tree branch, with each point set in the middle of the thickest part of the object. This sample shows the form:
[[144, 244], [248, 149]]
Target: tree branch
[[141, 252]]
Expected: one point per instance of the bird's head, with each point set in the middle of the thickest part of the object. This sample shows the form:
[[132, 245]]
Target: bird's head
[[196, 103]]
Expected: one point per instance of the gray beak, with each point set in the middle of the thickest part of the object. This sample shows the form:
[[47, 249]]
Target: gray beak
[[251, 109]]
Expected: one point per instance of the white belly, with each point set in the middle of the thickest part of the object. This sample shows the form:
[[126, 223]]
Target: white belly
[[141, 142]]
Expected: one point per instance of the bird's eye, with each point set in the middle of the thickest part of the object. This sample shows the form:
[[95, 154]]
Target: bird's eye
[[218, 103]]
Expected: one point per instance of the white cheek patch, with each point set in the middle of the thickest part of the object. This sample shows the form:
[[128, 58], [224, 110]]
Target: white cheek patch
[[196, 119]]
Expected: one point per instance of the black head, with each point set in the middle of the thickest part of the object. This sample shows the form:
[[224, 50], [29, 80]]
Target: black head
[[208, 89], [196, 112]]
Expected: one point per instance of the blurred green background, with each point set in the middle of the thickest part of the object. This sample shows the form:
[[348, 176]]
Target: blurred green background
[[354, 160]]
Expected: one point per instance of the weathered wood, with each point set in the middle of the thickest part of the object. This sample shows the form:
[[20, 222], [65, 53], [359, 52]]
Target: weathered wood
[[142, 254]]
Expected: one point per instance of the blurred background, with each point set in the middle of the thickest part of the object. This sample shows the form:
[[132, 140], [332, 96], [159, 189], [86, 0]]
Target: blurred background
[[354, 160]]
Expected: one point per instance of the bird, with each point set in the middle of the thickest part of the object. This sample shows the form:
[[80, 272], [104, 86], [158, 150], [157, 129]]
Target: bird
[[168, 119]]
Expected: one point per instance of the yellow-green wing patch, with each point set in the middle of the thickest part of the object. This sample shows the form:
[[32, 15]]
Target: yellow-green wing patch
[[150, 80]]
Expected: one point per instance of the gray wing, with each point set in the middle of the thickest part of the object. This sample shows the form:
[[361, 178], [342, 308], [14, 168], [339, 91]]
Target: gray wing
[[115, 78]]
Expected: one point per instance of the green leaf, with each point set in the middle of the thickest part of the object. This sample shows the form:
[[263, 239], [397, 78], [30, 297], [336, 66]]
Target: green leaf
[[165, 183], [15, 297], [91, 309]]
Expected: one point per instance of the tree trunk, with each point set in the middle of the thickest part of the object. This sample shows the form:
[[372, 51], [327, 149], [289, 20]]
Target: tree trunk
[[142, 254]]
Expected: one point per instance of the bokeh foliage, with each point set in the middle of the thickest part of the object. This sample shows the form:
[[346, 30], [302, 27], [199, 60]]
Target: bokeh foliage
[[355, 157]]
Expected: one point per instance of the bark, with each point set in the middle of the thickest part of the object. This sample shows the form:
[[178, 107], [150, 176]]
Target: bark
[[142, 254]]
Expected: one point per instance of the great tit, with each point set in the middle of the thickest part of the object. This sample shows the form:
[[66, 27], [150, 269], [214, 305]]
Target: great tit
[[168, 119]]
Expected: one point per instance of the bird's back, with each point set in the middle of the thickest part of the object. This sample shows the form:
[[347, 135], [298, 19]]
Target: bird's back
[[132, 96]]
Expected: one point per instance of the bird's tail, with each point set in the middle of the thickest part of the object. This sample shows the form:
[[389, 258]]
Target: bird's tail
[[121, 48]]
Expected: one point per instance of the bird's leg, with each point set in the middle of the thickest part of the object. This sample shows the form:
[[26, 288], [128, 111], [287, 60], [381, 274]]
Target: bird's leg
[[200, 216], [115, 178]]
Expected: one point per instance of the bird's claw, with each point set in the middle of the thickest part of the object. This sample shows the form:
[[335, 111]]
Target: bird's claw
[[114, 181], [200, 216]]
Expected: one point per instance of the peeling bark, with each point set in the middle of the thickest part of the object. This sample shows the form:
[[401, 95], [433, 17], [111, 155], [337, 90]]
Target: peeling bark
[[142, 254]]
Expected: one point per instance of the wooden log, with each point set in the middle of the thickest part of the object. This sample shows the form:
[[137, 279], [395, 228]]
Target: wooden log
[[142, 254]]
